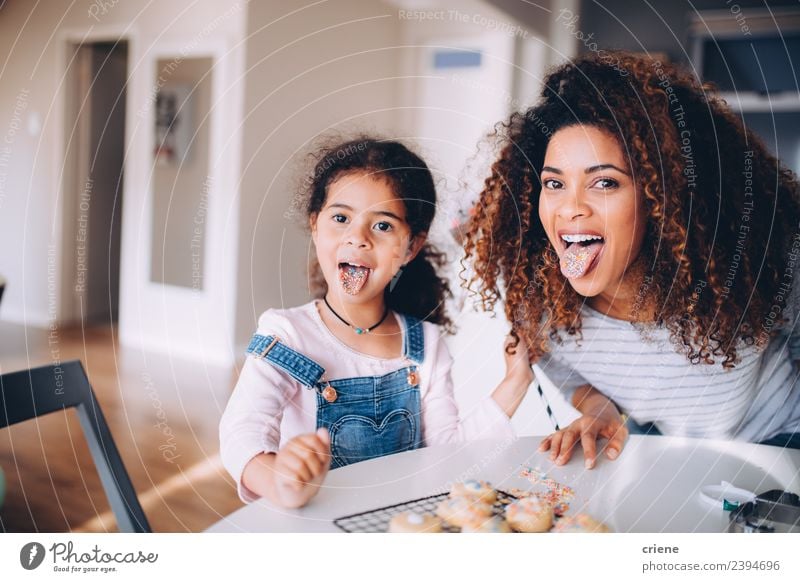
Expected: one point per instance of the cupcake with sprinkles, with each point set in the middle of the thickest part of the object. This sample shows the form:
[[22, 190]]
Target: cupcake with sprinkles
[[459, 511], [530, 515], [581, 523], [412, 522], [475, 490], [494, 524]]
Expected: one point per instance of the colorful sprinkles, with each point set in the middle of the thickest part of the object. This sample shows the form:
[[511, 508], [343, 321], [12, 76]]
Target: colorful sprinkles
[[574, 263], [556, 494], [352, 278]]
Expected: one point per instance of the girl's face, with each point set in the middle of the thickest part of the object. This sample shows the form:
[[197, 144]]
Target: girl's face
[[589, 207], [362, 237]]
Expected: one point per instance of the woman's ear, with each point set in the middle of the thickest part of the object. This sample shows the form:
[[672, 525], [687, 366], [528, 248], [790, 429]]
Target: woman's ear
[[415, 246]]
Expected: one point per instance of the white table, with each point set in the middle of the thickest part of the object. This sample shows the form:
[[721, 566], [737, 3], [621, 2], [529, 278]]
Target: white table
[[652, 487]]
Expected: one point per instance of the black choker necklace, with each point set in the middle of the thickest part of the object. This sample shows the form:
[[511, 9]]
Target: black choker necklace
[[358, 330]]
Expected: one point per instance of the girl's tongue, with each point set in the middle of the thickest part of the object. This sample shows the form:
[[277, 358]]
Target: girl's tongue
[[577, 259], [352, 278]]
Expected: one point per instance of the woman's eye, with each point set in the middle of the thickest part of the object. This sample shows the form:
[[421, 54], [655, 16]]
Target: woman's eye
[[606, 184], [383, 226], [551, 184], [340, 218]]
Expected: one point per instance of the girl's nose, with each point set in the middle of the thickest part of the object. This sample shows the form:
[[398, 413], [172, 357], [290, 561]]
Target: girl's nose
[[356, 236]]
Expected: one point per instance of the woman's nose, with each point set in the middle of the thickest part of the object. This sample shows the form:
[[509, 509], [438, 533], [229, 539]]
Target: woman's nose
[[573, 206]]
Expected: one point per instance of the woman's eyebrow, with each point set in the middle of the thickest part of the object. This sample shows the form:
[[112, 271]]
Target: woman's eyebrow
[[598, 167], [588, 170]]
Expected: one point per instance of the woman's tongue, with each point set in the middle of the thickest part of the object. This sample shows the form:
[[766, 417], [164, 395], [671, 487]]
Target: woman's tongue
[[577, 258], [352, 278]]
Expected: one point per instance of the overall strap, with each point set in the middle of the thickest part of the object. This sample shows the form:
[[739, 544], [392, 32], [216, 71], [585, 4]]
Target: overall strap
[[414, 339], [303, 369]]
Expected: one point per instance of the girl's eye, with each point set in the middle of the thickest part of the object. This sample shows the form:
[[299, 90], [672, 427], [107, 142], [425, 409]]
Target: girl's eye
[[340, 218], [606, 184], [552, 184], [383, 226]]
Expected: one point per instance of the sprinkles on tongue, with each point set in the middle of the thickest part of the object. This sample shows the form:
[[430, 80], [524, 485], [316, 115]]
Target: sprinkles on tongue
[[352, 278], [577, 258]]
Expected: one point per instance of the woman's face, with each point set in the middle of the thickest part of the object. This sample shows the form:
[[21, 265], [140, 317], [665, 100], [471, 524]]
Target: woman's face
[[589, 207]]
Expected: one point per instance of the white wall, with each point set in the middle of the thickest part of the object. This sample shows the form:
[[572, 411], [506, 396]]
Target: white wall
[[34, 38], [299, 71], [349, 66], [178, 187], [330, 66]]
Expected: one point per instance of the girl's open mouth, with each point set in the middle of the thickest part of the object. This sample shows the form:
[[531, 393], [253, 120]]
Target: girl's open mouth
[[580, 254], [353, 277]]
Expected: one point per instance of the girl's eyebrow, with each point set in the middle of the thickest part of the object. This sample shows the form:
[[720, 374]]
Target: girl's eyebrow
[[373, 212], [388, 214], [589, 170], [340, 205]]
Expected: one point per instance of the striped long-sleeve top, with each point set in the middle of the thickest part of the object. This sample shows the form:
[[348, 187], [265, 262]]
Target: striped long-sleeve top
[[651, 381]]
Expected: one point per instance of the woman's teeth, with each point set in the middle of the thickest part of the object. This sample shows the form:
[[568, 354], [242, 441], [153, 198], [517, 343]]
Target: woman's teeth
[[573, 238]]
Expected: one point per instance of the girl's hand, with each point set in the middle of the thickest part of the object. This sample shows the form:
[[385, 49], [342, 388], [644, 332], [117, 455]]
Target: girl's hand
[[604, 423], [509, 393], [518, 365], [300, 467]]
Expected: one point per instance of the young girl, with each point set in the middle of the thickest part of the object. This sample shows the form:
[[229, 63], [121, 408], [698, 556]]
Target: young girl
[[655, 274], [362, 371]]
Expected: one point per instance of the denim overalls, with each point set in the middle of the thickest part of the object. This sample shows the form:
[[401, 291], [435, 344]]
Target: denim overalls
[[368, 416]]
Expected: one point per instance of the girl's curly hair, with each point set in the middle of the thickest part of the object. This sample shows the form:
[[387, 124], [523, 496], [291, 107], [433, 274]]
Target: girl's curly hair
[[722, 212], [419, 291]]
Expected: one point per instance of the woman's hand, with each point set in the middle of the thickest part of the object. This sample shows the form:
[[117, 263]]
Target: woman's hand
[[600, 419]]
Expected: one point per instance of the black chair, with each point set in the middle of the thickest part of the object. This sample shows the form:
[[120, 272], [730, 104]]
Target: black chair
[[32, 393]]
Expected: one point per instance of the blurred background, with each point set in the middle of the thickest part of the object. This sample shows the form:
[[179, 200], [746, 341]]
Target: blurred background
[[150, 160]]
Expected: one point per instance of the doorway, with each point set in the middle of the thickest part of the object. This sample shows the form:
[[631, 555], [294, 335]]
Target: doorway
[[93, 181]]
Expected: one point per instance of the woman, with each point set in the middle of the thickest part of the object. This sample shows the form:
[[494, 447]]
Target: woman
[[644, 242]]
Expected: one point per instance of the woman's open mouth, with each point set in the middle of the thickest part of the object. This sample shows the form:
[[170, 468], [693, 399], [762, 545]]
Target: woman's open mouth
[[580, 255], [353, 277]]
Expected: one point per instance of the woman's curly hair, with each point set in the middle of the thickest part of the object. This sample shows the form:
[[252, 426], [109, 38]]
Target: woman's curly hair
[[419, 291], [722, 212]]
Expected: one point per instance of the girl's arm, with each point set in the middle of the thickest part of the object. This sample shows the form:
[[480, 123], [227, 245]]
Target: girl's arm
[[293, 475], [250, 425], [487, 419], [600, 419], [512, 390]]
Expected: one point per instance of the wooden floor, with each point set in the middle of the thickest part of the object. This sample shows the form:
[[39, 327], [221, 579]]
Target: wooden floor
[[163, 413]]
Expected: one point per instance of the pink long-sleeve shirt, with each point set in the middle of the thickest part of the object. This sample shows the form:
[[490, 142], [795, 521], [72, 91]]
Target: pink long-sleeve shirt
[[268, 407]]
